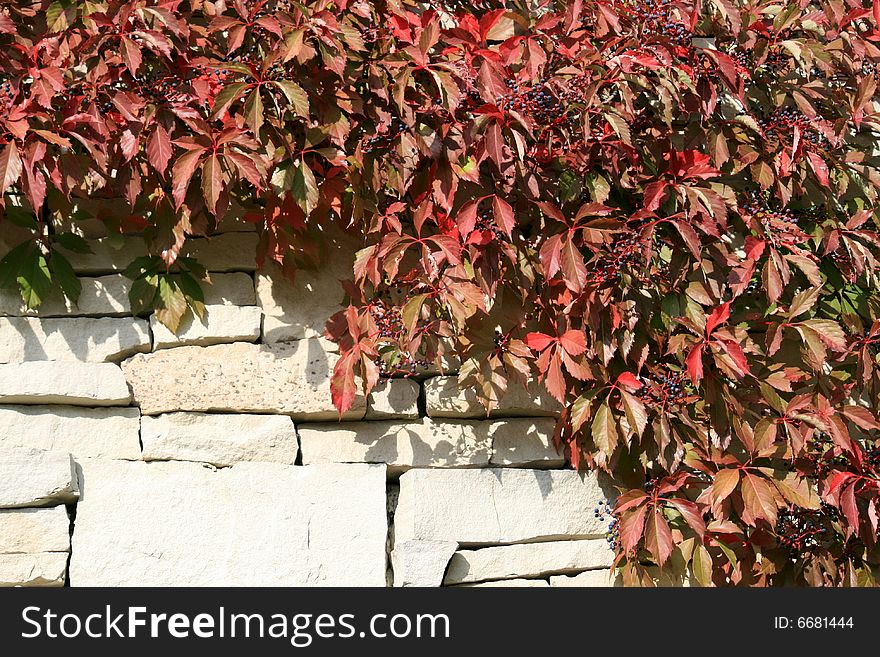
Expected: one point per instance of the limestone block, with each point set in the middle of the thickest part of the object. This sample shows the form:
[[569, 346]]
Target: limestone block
[[423, 443], [232, 289], [525, 443], [227, 252], [497, 505], [31, 477], [34, 530], [394, 399], [108, 255], [421, 563], [301, 309], [218, 438], [40, 569], [598, 578], [112, 433], [54, 382], [77, 338], [510, 583], [221, 324], [292, 378], [528, 560], [444, 398], [254, 524]]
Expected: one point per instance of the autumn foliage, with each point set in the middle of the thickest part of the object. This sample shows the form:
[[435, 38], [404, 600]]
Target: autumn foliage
[[665, 212]]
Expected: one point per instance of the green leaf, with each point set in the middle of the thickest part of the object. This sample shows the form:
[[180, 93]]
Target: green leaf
[[194, 294], [143, 293], [73, 242], [67, 278], [228, 95], [297, 98], [304, 188], [635, 411], [253, 111], [702, 566], [604, 430], [13, 262], [171, 304], [34, 279]]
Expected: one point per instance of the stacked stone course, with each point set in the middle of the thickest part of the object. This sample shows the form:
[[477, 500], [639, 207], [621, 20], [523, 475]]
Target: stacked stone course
[[215, 457]]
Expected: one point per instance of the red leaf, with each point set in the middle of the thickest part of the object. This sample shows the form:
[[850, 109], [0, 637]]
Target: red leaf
[[632, 526], [503, 215], [539, 341], [819, 167], [691, 514], [159, 149], [10, 166], [212, 181], [654, 193], [694, 363], [574, 342], [343, 386], [717, 317], [131, 55], [182, 173], [658, 537], [629, 381]]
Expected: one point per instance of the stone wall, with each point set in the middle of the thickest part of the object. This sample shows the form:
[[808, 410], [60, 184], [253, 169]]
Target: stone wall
[[130, 456]]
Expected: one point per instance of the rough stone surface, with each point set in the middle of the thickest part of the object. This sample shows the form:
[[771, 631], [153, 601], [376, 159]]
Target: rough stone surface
[[394, 399], [77, 338], [51, 382], [423, 444], [497, 505], [34, 530], [40, 569], [510, 583], [31, 477], [218, 438], [525, 443], [221, 324], [528, 560], [108, 255], [226, 252], [292, 378], [84, 432], [233, 289], [597, 578], [301, 309], [421, 563], [254, 524], [444, 398]]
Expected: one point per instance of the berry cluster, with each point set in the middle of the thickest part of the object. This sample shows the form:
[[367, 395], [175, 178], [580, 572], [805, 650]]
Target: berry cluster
[[457, 6], [613, 535], [158, 86], [535, 101], [780, 125], [624, 252], [820, 455], [7, 93], [389, 319], [782, 225], [657, 18], [664, 388], [776, 61], [374, 34], [801, 530], [872, 456], [385, 137]]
